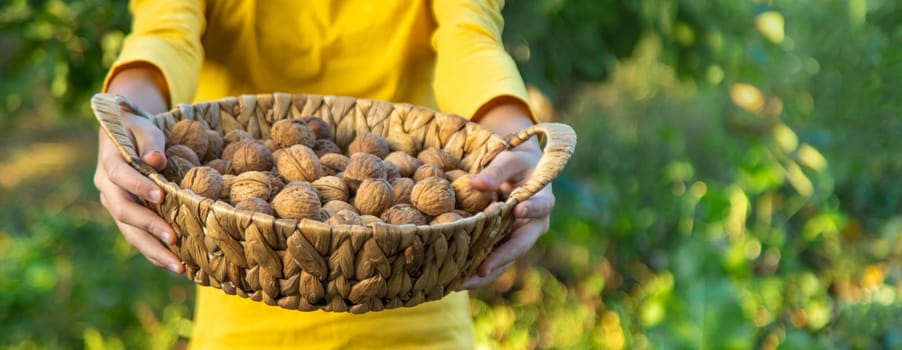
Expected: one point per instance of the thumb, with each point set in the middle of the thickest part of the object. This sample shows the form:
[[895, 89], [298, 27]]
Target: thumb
[[499, 171], [151, 145]]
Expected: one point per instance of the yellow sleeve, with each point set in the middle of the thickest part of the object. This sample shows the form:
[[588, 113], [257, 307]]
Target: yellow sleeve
[[472, 67], [166, 34]]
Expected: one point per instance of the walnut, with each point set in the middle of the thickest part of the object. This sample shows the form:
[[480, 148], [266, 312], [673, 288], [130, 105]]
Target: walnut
[[345, 217], [252, 156], [237, 135], [276, 181], [227, 181], [469, 198], [297, 201], [251, 184], [271, 146], [215, 143], [391, 171], [184, 152], [400, 214], [228, 152], [438, 157], [371, 219], [333, 163], [373, 197], [319, 127], [176, 168], [427, 170], [331, 188], [446, 217], [299, 163], [402, 186], [455, 174], [433, 196], [363, 166], [323, 146], [371, 143], [255, 205], [190, 133], [289, 132], [337, 206], [221, 165], [204, 181], [405, 163]]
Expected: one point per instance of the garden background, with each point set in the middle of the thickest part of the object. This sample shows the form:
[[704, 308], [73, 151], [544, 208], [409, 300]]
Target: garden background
[[736, 183]]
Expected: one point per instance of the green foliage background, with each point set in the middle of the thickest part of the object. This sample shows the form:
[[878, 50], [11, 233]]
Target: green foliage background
[[693, 215]]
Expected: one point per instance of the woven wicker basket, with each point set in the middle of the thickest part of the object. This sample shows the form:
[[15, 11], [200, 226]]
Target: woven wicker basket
[[306, 264]]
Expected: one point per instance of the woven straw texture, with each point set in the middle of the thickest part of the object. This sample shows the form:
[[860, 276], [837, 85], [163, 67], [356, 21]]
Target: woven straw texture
[[308, 265]]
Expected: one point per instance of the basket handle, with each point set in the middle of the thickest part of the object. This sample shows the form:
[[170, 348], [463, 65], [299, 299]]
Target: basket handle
[[560, 140], [108, 111]]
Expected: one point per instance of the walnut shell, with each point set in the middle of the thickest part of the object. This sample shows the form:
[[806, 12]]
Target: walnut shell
[[400, 214], [215, 144], [373, 197], [405, 163], [221, 165], [367, 142], [433, 196], [237, 135], [402, 186], [228, 152], [176, 168], [271, 146], [255, 205], [331, 188], [190, 133], [276, 181], [251, 184], [363, 166], [227, 181], [446, 217], [204, 181], [469, 198], [252, 156], [426, 171], [391, 171], [321, 130], [289, 132], [297, 201], [299, 163], [345, 217], [438, 157], [323, 146], [184, 152], [452, 175], [333, 163], [337, 206]]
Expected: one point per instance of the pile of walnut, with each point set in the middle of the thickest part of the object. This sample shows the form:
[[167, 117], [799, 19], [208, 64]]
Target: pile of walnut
[[301, 173]]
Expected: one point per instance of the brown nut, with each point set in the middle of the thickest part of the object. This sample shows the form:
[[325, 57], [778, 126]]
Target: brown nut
[[256, 205], [363, 166], [299, 163], [215, 144], [323, 146], [452, 175], [469, 198], [204, 181], [227, 180], [276, 181], [373, 197], [331, 188], [446, 217], [252, 156], [402, 186], [184, 152], [433, 196], [333, 163], [345, 217], [221, 165], [297, 201], [337, 206], [176, 168], [271, 146], [438, 157], [237, 135], [251, 184], [289, 132], [228, 152], [321, 130], [400, 214], [405, 163], [426, 171], [190, 133], [391, 171], [371, 143]]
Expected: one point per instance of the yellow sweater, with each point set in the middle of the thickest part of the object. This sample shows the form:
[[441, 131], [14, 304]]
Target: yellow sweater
[[444, 54]]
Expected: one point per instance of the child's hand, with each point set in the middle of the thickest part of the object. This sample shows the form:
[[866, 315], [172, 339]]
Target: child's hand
[[120, 185]]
